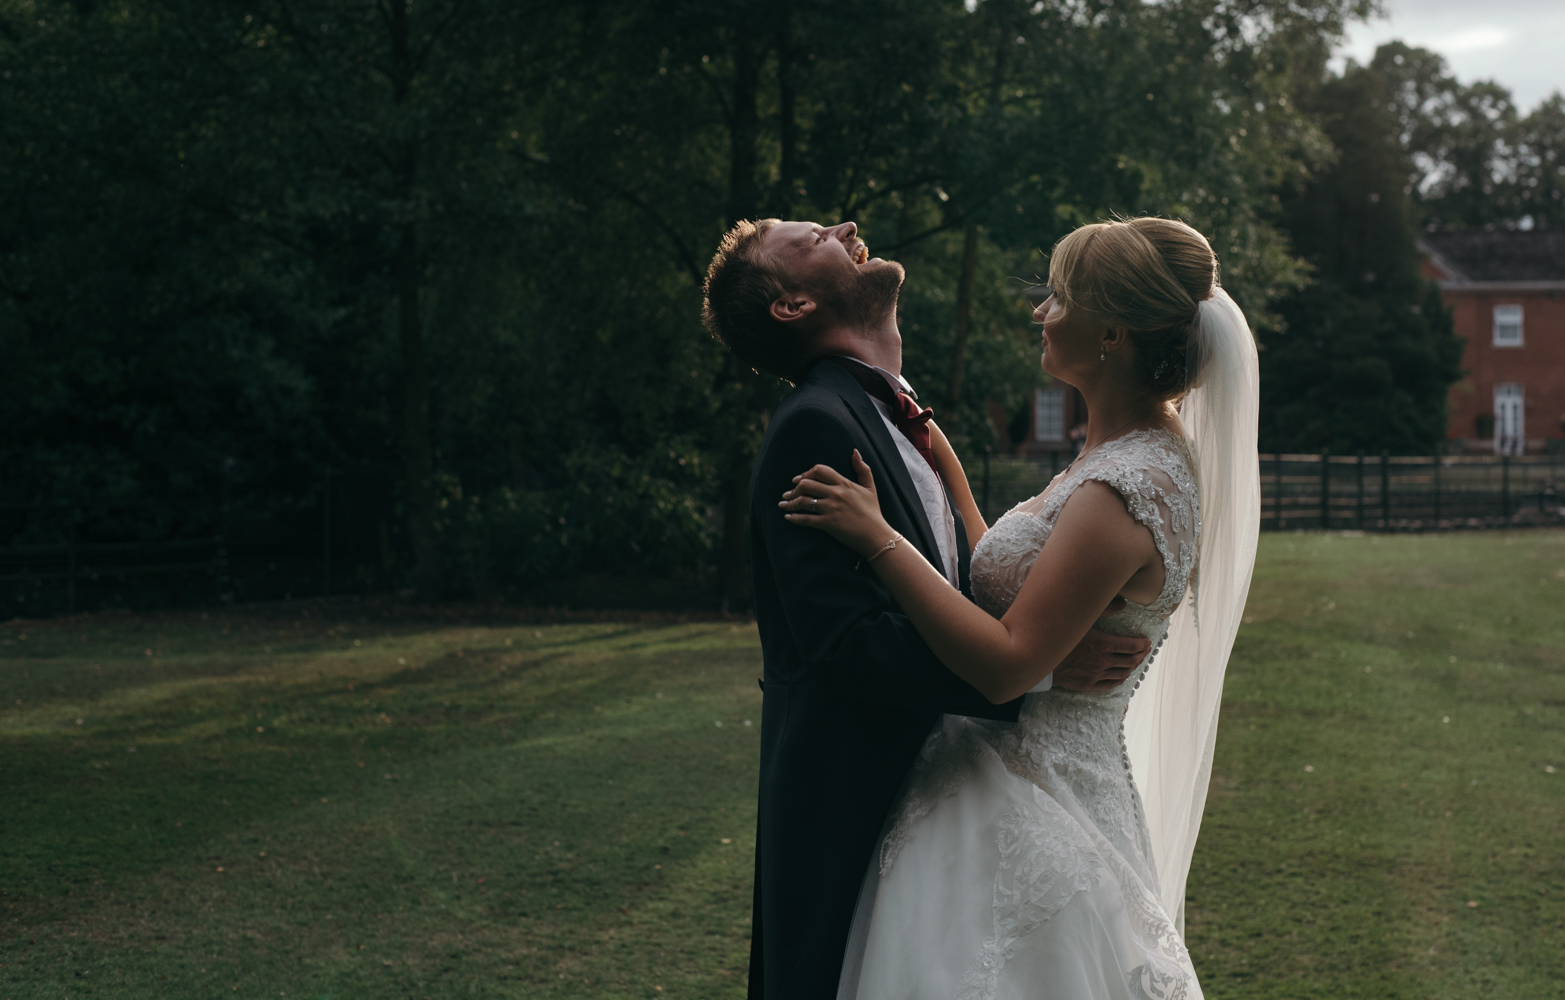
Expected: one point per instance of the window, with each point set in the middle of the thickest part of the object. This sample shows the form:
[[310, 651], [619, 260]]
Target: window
[[1509, 432], [1507, 326], [1049, 415]]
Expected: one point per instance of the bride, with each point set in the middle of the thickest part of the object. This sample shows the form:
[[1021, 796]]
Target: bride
[[1048, 858]]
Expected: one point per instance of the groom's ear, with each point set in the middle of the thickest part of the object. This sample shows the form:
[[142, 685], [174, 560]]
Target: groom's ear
[[792, 308]]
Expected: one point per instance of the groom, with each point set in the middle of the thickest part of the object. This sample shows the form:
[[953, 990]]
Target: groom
[[851, 691]]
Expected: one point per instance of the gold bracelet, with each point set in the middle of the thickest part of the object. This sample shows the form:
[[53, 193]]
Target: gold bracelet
[[886, 547]]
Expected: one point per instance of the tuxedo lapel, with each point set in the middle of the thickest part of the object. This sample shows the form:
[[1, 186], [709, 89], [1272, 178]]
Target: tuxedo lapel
[[889, 464]]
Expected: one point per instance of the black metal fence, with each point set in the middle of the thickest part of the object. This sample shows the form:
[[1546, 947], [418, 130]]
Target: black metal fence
[[1399, 493], [339, 535], [342, 536], [1355, 492]]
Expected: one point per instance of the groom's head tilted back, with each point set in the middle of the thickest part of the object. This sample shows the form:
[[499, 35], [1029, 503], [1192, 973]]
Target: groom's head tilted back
[[781, 294]]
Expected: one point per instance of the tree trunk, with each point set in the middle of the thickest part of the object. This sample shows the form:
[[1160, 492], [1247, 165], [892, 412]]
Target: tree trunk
[[964, 314], [964, 283], [744, 131], [748, 407], [418, 454], [787, 122], [418, 459]]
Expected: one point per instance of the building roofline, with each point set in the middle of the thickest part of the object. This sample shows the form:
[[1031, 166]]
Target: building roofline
[[1438, 260]]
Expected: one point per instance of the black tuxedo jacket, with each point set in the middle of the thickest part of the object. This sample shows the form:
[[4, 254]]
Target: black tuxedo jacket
[[851, 691]]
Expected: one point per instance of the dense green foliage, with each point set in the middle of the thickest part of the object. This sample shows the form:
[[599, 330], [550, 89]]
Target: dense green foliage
[[1478, 162], [1366, 352], [568, 810], [462, 242]]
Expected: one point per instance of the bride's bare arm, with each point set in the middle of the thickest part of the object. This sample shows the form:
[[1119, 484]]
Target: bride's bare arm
[[955, 477], [1095, 550]]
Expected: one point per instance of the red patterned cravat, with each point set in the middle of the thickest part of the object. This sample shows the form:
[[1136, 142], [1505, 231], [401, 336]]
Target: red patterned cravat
[[906, 416], [914, 424]]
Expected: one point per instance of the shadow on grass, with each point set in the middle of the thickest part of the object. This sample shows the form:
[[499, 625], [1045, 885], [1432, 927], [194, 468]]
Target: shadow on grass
[[525, 809], [501, 787]]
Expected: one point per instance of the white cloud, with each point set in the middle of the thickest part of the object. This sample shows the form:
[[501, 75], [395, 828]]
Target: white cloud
[[1469, 41], [1516, 43]]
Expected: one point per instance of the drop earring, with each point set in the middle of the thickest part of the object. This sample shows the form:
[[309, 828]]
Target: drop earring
[[1103, 354]]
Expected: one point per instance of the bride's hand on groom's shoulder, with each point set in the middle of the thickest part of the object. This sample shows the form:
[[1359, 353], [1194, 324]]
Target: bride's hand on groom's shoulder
[[849, 511], [1101, 661]]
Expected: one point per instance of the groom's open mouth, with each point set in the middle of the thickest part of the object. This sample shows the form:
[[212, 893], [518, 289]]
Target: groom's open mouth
[[859, 252]]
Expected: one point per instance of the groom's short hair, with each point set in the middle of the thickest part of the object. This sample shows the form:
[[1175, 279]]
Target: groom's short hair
[[742, 282]]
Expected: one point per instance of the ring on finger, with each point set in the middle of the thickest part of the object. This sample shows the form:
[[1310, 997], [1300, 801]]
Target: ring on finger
[[815, 502]]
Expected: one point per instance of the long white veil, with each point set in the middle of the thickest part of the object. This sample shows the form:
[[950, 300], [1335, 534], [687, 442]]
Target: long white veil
[[1171, 726]]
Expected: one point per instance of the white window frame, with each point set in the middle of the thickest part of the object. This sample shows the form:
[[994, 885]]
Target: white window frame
[[1510, 419], [1048, 414], [1508, 318]]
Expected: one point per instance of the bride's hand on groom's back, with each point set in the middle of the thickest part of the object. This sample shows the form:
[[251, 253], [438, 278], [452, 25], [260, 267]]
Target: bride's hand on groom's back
[[848, 511], [1101, 661]]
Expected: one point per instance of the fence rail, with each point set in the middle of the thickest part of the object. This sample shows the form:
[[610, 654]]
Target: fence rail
[[338, 547], [1362, 492], [336, 540], [1408, 493], [40, 580]]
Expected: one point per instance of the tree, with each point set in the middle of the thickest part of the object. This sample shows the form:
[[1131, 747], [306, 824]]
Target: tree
[[1475, 161], [390, 125], [149, 335], [1007, 123], [1539, 144], [1365, 355], [467, 237]]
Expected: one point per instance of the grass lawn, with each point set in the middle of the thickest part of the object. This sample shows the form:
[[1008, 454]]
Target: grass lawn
[[1387, 812], [334, 800]]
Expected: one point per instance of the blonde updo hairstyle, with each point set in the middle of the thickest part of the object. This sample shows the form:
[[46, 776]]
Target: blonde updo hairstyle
[[1145, 276]]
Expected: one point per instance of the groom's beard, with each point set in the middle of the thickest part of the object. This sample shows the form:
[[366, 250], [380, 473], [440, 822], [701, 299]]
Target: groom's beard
[[869, 297]]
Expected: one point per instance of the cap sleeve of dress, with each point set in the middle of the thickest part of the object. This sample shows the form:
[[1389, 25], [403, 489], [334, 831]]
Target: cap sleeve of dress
[[1152, 472]]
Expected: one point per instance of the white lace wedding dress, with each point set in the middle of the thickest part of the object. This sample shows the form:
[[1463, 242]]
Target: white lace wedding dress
[[1018, 863]]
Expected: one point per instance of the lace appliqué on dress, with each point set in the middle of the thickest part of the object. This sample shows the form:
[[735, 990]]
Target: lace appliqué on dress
[[945, 759], [1042, 867], [1085, 828], [1152, 470]]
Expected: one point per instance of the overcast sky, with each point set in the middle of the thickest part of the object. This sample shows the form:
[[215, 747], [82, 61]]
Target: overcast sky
[[1519, 44]]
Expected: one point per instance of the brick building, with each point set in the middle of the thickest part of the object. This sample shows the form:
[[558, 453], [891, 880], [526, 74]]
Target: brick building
[[1044, 428], [1506, 291]]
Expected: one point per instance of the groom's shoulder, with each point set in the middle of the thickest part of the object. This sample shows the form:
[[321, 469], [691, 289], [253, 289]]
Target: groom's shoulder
[[814, 400], [822, 387], [811, 417]]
